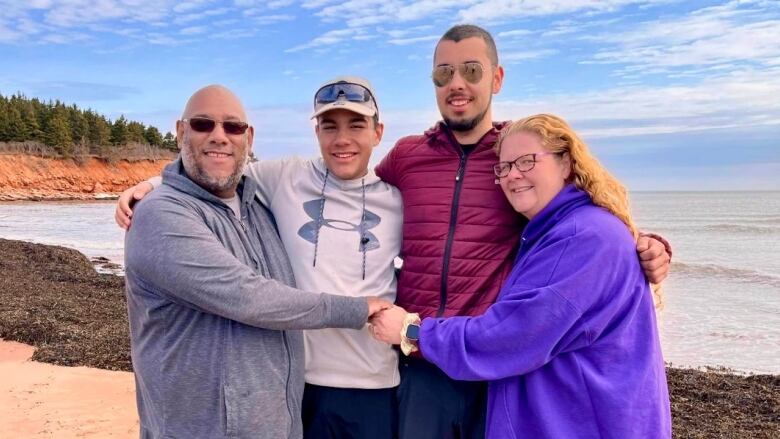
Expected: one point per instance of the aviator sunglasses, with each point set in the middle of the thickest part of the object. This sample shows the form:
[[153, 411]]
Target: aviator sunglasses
[[206, 125], [470, 71]]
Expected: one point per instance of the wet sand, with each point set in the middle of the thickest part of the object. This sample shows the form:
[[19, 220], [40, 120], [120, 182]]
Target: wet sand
[[39, 400]]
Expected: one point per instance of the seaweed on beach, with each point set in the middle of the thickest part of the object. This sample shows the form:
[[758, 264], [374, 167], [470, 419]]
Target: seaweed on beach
[[716, 403], [52, 298]]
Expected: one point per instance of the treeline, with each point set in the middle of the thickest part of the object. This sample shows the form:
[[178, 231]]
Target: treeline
[[53, 128]]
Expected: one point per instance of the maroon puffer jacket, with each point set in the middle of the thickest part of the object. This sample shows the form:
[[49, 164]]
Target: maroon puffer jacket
[[459, 233]]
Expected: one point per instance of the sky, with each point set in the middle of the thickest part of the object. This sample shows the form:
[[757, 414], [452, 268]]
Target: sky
[[670, 95]]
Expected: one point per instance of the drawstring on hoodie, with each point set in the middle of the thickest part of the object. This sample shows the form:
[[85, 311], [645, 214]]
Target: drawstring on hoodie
[[363, 239]]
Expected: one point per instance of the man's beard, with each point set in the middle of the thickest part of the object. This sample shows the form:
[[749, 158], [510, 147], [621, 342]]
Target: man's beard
[[211, 183], [466, 125]]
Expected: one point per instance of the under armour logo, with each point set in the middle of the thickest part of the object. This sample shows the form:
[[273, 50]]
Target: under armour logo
[[367, 240]]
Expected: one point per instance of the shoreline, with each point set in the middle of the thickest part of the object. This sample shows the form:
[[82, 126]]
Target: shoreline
[[52, 298], [13, 196]]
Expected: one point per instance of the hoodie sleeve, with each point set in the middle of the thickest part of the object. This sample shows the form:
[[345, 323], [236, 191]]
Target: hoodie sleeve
[[549, 310], [172, 252]]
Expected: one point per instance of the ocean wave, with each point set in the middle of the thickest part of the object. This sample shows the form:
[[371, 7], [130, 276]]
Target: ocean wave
[[741, 228], [770, 220], [720, 271]]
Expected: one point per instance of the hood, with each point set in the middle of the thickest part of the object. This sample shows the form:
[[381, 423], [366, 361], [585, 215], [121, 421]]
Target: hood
[[567, 200], [175, 177]]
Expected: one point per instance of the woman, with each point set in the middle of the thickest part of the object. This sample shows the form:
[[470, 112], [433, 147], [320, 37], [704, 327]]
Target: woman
[[571, 347]]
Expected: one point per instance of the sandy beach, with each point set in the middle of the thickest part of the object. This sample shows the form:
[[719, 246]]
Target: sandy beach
[[79, 384], [39, 400]]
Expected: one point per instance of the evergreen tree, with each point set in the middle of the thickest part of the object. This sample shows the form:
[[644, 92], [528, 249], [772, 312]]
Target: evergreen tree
[[57, 132], [153, 136], [136, 132], [119, 134], [3, 119], [32, 126], [169, 142], [70, 130], [99, 132], [79, 127], [15, 129]]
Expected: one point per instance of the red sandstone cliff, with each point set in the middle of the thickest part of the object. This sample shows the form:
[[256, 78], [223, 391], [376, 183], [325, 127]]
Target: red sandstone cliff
[[24, 177]]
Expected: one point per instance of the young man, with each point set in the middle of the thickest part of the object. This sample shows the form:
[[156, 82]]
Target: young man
[[460, 234], [212, 309], [341, 227]]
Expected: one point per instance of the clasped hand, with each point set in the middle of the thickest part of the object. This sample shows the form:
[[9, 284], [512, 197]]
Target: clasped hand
[[386, 324]]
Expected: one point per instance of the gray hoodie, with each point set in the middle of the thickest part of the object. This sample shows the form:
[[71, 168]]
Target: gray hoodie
[[214, 317]]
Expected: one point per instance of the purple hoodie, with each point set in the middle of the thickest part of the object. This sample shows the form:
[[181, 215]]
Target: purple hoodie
[[570, 347]]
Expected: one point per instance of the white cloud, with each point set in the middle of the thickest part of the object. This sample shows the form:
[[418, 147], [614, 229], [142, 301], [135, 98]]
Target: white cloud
[[725, 35], [193, 30], [360, 13], [278, 4], [492, 10], [314, 4], [74, 13], [190, 5], [9, 35], [405, 41], [270, 19], [161, 39], [200, 15], [326, 39], [516, 57], [514, 33], [735, 100]]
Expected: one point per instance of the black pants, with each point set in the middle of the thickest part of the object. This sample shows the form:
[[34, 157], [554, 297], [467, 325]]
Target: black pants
[[431, 405], [335, 413]]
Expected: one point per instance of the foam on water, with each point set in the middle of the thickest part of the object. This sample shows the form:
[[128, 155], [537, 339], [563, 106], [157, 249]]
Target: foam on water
[[723, 295]]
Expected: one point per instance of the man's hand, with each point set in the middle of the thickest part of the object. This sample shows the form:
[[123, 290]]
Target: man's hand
[[386, 326], [376, 305], [127, 199], [654, 258]]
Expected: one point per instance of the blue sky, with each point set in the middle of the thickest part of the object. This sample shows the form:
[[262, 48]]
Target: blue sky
[[671, 95]]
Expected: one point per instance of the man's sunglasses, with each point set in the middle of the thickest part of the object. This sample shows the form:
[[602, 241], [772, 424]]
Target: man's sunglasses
[[206, 125], [470, 71], [343, 90]]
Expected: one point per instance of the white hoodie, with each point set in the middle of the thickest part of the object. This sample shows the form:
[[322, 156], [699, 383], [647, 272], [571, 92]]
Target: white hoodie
[[292, 188]]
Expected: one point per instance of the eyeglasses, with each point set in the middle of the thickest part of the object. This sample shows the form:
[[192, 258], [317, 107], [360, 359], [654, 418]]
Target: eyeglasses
[[524, 163], [343, 90], [206, 125], [470, 71]]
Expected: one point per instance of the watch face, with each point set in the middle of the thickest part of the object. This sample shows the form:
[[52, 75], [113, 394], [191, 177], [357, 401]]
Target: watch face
[[413, 332]]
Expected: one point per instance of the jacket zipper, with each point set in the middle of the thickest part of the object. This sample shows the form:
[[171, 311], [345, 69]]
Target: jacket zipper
[[287, 384], [451, 233], [260, 261]]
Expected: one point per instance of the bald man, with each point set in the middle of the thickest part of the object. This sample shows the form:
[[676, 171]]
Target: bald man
[[214, 315]]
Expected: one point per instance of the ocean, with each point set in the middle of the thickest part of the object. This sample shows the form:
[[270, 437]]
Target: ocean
[[721, 301]]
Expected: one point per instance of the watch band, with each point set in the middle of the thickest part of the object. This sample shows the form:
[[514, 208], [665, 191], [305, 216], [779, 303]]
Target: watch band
[[407, 345]]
